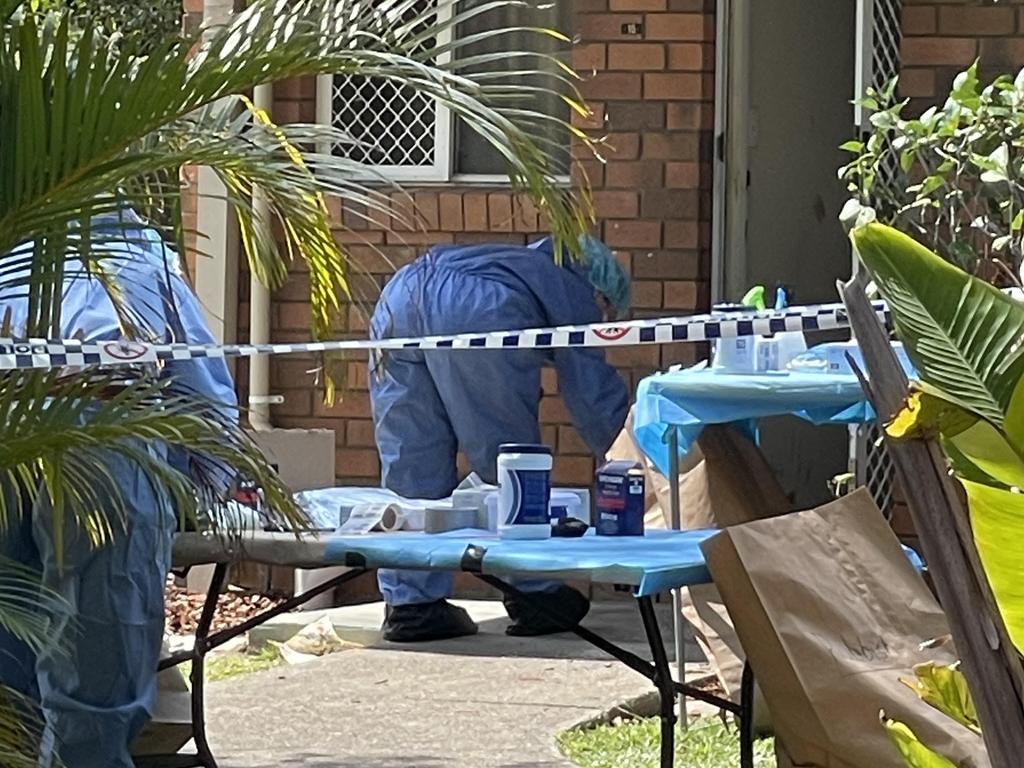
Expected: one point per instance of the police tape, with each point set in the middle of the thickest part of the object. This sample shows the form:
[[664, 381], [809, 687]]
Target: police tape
[[41, 354]]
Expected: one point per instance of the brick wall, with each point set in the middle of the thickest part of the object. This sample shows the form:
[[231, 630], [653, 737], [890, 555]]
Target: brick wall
[[650, 81], [944, 38]]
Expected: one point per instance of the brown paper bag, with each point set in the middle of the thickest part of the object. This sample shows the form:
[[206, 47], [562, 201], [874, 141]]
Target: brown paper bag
[[832, 614], [724, 480]]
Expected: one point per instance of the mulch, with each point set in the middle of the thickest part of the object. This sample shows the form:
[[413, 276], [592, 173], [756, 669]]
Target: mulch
[[182, 609]]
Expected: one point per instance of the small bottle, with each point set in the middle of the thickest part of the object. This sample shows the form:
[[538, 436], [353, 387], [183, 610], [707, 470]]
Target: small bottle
[[524, 493]]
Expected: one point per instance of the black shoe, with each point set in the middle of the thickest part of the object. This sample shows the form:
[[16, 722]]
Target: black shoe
[[426, 621], [563, 609]]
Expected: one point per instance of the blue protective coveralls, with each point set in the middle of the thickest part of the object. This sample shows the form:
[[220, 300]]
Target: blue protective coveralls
[[427, 406], [98, 694]]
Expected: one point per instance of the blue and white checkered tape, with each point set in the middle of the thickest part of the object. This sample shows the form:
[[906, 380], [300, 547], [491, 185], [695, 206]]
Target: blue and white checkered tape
[[42, 354]]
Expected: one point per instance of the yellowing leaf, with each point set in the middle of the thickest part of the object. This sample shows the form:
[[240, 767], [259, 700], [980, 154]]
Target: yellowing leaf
[[916, 754], [945, 688], [997, 518]]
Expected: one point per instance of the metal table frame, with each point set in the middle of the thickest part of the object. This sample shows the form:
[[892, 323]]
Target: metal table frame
[[657, 670]]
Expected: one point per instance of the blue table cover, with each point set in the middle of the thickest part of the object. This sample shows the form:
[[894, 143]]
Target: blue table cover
[[653, 563], [656, 562]]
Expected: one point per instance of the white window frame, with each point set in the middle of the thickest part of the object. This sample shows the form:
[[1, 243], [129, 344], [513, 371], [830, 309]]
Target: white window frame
[[444, 131], [442, 170]]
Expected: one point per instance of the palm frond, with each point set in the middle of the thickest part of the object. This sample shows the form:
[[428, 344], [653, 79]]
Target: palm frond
[[81, 126], [60, 433]]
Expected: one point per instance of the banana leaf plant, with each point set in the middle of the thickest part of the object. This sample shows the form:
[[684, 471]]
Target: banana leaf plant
[[89, 125], [966, 339]]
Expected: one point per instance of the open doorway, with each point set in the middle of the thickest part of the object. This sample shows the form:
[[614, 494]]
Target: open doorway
[[786, 80]]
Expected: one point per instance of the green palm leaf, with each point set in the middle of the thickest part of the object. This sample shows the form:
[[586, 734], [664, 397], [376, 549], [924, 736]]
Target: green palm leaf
[[85, 123]]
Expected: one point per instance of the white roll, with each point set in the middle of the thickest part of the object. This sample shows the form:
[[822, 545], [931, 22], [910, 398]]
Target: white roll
[[392, 519]]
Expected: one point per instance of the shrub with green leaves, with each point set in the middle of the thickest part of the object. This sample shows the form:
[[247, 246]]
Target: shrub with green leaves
[[953, 177], [146, 24]]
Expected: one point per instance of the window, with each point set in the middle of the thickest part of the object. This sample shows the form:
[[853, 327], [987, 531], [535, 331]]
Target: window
[[405, 136]]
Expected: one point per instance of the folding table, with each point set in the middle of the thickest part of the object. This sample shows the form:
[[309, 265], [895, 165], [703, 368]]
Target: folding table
[[652, 564]]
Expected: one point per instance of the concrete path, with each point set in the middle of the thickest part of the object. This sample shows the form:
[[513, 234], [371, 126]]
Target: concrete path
[[488, 701]]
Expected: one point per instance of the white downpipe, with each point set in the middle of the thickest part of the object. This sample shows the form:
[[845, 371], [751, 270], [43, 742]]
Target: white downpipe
[[259, 304]]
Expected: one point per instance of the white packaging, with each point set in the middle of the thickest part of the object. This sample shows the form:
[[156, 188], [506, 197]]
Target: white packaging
[[736, 355], [524, 491]]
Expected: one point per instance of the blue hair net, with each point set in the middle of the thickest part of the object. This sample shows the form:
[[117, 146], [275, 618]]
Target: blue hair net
[[605, 272]]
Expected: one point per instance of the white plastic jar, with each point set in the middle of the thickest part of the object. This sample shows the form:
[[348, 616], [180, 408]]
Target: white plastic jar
[[524, 492]]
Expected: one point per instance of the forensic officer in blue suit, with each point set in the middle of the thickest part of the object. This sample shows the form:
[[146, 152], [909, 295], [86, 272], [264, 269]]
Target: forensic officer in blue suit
[[427, 406], [96, 681]]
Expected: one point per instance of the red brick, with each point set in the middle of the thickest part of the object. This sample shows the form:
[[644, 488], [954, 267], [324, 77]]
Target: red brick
[[919, 20], [553, 411], [549, 435], [428, 211], [646, 294], [573, 471], [356, 462], [670, 204], [290, 373], [633, 233], [570, 442], [635, 116], [689, 115], [645, 356], [1000, 53], [953, 51], [525, 214], [675, 85], [634, 175], [612, 86], [588, 57], [357, 376], [352, 405], [297, 402], [671, 146], [637, 5], [475, 208], [549, 381], [677, 26], [606, 26], [682, 175], [610, 203], [693, 57], [418, 240], [681, 295], [594, 120], [644, 56], [666, 265], [682, 234], [450, 213], [621, 146], [293, 315], [499, 212], [963, 20], [359, 433], [917, 83]]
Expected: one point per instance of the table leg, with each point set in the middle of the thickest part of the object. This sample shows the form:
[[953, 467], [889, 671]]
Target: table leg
[[197, 673], [663, 680], [675, 514], [746, 717], [205, 642]]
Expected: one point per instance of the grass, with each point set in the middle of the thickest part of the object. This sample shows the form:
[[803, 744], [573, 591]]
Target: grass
[[229, 665], [635, 744]]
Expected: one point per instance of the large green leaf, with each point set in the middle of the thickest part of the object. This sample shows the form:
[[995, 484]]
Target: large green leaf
[[963, 335], [997, 518]]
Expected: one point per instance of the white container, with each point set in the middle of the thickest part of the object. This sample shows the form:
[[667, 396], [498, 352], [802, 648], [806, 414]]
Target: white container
[[524, 491], [491, 515], [564, 504]]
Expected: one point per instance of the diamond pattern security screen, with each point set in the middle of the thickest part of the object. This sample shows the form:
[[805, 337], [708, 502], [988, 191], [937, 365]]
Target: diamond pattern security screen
[[874, 469], [879, 36], [394, 130]]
